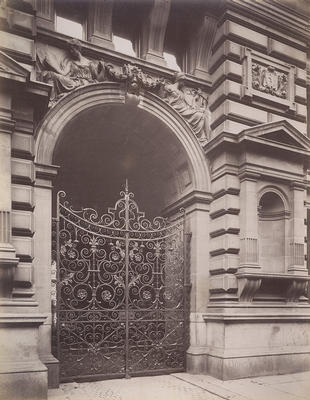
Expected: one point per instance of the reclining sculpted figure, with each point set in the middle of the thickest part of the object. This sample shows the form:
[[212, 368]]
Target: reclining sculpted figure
[[73, 71]]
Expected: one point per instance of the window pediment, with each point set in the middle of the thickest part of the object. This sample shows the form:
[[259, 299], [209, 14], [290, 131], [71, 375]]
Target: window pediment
[[11, 69], [281, 133]]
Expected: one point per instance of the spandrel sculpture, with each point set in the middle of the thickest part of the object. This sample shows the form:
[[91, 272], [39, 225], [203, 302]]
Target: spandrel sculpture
[[71, 72], [66, 73], [190, 103]]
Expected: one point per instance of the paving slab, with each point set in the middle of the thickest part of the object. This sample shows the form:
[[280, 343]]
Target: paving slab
[[275, 379], [184, 386], [164, 387]]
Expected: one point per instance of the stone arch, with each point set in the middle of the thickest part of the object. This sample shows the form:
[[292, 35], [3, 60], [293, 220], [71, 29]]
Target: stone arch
[[50, 128], [277, 191], [49, 134], [272, 229]]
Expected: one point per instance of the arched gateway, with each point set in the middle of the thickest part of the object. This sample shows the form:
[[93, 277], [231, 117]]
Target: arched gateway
[[120, 311], [225, 138]]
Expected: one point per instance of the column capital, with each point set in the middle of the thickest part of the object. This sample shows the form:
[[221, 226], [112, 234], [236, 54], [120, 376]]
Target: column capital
[[298, 186], [45, 175], [245, 175]]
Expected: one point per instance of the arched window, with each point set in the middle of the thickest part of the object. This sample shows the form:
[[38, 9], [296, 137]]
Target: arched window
[[271, 231]]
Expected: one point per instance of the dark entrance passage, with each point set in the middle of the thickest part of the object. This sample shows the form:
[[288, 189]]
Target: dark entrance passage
[[122, 299]]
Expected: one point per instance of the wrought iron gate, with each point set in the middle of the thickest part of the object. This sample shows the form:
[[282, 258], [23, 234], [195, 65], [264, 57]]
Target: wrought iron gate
[[122, 297]]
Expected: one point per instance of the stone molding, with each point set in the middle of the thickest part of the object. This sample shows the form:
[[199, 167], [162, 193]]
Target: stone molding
[[45, 172], [274, 22], [11, 69], [7, 125], [195, 198], [260, 316], [26, 318], [258, 135]]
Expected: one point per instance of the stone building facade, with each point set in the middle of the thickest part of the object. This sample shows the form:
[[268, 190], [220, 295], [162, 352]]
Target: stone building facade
[[225, 138]]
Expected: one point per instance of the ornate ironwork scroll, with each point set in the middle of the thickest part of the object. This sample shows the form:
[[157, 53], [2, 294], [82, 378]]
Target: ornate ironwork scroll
[[122, 305]]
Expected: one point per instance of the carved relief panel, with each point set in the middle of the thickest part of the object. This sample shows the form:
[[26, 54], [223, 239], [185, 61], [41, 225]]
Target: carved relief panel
[[266, 79]]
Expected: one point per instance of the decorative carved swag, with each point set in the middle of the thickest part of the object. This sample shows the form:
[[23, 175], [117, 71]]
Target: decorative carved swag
[[75, 70]]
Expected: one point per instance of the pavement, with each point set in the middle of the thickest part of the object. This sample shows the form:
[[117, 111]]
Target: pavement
[[184, 386]]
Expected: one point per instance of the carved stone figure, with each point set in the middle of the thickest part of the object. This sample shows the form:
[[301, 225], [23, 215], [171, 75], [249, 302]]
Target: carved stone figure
[[70, 73], [190, 103]]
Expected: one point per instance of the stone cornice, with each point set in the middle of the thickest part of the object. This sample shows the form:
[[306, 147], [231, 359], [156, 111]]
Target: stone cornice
[[255, 317], [194, 197], [258, 135], [246, 175], [46, 172], [274, 14], [298, 186], [7, 125]]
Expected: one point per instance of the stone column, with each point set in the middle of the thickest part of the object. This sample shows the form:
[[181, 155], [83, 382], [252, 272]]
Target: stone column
[[42, 265], [297, 263], [153, 32], [99, 23]]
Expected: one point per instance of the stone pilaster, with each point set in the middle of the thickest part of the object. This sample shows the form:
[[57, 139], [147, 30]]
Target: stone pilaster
[[297, 263], [248, 223], [197, 277], [200, 48], [8, 259], [224, 238], [45, 14], [99, 23], [42, 265], [19, 319], [154, 30]]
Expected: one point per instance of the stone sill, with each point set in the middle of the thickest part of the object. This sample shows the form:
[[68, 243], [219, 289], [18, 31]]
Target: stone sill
[[24, 319], [287, 287], [270, 275], [256, 317], [258, 351]]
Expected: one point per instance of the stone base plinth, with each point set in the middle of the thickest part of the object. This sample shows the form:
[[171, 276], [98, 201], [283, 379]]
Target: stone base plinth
[[22, 374], [52, 365], [30, 385], [196, 360], [254, 341]]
